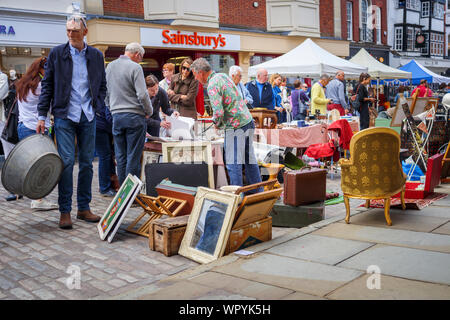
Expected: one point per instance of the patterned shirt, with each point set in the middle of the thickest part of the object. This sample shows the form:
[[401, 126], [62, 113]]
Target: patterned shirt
[[229, 109]]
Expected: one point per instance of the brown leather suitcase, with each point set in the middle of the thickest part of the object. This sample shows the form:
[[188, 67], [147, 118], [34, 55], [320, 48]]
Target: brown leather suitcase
[[304, 186]]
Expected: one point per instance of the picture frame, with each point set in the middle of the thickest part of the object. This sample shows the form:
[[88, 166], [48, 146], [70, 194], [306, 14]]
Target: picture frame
[[209, 225], [119, 206], [190, 152], [398, 116], [148, 157]]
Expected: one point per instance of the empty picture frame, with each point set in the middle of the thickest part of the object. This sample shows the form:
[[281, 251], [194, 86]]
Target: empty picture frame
[[209, 225], [190, 152]]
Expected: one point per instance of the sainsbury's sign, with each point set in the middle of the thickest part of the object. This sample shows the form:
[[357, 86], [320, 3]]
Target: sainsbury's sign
[[189, 39]]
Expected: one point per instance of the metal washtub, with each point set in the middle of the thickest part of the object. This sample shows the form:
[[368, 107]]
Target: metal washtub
[[33, 168]]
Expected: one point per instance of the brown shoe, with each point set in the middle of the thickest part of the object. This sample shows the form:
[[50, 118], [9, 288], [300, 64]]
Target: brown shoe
[[88, 216], [64, 221]]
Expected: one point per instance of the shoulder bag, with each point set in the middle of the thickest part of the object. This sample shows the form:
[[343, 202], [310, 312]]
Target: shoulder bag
[[9, 132], [355, 102]]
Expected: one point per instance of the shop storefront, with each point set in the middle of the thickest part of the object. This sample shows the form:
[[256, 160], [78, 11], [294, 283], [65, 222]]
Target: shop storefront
[[26, 37], [223, 48]]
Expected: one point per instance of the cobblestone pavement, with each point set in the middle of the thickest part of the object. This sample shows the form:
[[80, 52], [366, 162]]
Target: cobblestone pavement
[[40, 261]]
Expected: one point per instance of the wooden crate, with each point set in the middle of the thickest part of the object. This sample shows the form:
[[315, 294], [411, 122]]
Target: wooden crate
[[165, 235], [250, 234]]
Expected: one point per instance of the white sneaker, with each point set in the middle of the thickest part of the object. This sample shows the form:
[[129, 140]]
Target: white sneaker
[[43, 205]]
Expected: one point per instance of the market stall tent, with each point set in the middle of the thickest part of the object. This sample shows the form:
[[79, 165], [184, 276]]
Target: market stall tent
[[377, 69], [419, 72], [308, 60]]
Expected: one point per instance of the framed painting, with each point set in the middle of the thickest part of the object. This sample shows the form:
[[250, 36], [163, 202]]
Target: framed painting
[[398, 116], [119, 205], [148, 157], [190, 152], [209, 225]]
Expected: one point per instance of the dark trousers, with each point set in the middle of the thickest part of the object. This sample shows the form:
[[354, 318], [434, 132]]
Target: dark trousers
[[129, 138], [103, 148], [364, 117]]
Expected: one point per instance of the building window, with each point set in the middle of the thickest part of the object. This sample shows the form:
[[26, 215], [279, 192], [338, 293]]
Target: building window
[[398, 40], [436, 44], [438, 10], [410, 39], [413, 5], [425, 9], [366, 34], [349, 20]]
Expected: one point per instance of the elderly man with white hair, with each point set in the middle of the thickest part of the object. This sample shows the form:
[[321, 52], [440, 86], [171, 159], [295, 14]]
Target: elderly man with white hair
[[74, 86], [130, 105], [235, 74], [261, 91]]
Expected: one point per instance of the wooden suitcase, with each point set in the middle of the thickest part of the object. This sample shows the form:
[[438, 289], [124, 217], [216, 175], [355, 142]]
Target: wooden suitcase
[[165, 235], [304, 186]]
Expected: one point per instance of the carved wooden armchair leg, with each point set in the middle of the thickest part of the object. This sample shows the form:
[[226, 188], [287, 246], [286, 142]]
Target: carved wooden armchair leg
[[402, 197], [367, 203], [347, 209], [387, 204]]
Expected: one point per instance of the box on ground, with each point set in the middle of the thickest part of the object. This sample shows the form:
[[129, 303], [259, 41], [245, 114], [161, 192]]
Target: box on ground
[[165, 235], [296, 217]]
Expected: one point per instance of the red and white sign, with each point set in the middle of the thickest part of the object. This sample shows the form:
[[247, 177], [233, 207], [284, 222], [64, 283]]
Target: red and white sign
[[168, 38]]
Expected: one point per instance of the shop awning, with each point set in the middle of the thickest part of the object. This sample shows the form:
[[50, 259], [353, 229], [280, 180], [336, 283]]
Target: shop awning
[[308, 60], [377, 69]]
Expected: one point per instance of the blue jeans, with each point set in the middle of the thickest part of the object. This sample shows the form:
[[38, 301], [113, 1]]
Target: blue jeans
[[239, 151], [106, 167], [66, 131], [129, 138], [24, 132]]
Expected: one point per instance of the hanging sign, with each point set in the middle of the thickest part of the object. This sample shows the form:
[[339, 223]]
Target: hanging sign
[[420, 40]]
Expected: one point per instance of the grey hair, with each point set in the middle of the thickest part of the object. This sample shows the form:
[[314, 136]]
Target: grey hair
[[339, 72], [234, 70], [324, 77], [78, 19], [135, 47], [200, 64]]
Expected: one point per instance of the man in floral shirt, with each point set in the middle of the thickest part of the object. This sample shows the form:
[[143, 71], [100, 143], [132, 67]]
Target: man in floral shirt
[[231, 114]]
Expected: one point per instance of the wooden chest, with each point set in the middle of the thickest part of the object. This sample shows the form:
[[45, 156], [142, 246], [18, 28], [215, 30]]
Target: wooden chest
[[249, 235], [165, 235]]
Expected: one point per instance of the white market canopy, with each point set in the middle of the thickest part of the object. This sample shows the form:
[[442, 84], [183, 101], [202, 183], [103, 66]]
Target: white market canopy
[[308, 60], [377, 69]]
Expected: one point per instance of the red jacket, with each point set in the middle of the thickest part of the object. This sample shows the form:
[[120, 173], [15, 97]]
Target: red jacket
[[423, 91], [199, 100]]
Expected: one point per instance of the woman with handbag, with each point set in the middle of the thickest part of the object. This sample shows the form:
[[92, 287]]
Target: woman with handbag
[[28, 90], [363, 100]]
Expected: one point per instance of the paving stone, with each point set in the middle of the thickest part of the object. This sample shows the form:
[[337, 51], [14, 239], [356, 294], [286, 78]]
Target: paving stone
[[98, 274], [117, 283], [375, 218], [101, 285], [127, 277], [285, 272], [240, 286], [6, 284], [30, 284], [404, 238], [406, 263], [94, 254], [36, 265], [180, 290], [44, 294], [21, 294], [391, 288], [220, 294], [444, 229], [431, 211], [320, 249], [12, 274]]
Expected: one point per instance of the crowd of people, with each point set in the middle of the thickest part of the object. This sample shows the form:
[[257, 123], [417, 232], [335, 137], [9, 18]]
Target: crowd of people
[[89, 109]]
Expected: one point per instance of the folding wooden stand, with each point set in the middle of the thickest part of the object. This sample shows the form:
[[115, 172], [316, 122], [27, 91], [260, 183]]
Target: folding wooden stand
[[154, 207]]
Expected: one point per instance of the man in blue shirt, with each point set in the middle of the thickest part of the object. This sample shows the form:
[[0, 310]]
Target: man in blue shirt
[[74, 86], [261, 91], [336, 93]]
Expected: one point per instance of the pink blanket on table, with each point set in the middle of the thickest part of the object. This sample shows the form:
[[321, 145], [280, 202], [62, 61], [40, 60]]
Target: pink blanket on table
[[293, 137]]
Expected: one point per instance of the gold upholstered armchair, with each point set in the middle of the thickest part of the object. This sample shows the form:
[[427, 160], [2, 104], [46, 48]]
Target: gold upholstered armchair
[[374, 170]]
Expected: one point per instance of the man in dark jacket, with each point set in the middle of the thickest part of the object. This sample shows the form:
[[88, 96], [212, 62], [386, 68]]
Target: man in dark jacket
[[160, 101], [74, 86], [261, 91]]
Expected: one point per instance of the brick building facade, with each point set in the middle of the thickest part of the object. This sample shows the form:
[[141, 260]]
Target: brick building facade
[[242, 14], [124, 8]]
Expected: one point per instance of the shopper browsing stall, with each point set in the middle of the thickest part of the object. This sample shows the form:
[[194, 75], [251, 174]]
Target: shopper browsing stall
[[231, 114]]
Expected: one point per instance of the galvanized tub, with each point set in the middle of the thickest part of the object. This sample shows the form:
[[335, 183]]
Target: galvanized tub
[[33, 168]]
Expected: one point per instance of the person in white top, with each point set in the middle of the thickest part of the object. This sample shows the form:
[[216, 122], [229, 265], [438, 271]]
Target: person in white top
[[168, 71], [28, 90]]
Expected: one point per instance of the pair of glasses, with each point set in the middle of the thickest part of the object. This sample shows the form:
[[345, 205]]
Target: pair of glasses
[[185, 68], [165, 70], [78, 19]]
